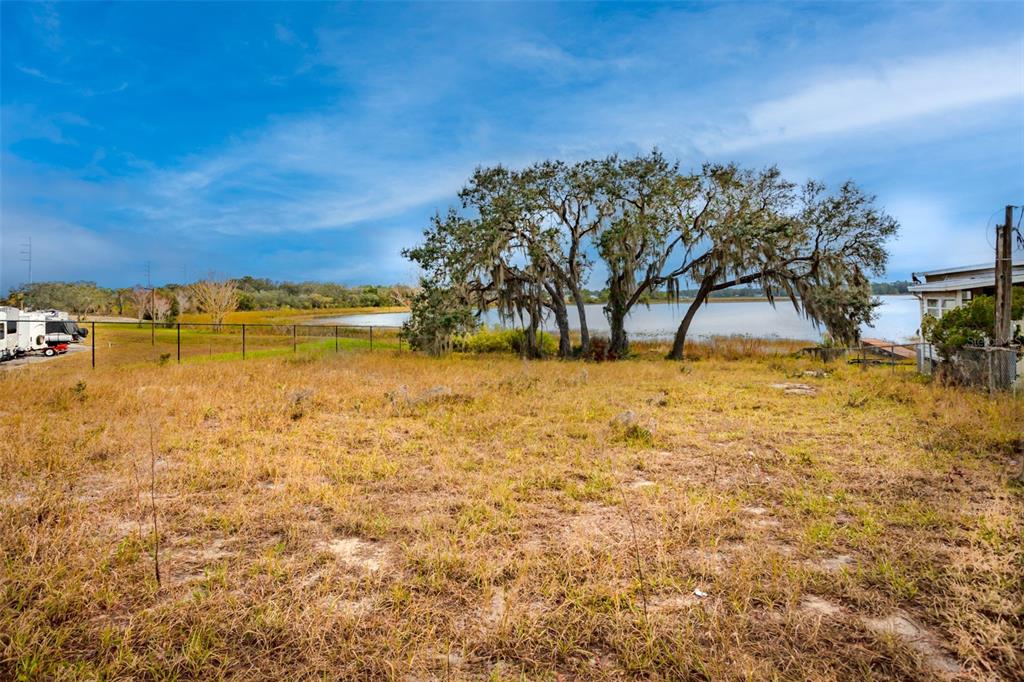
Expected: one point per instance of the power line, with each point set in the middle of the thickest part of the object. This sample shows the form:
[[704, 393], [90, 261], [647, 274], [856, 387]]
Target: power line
[[26, 256]]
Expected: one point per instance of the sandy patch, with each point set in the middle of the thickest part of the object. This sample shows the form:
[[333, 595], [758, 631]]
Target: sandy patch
[[795, 389], [917, 637], [815, 605], [673, 603], [356, 553], [496, 608], [188, 564], [833, 564], [353, 608]]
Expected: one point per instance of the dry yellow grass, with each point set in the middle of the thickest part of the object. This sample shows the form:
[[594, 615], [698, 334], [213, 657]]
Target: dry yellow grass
[[390, 516]]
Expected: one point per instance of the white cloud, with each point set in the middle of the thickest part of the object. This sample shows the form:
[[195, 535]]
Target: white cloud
[[895, 93], [36, 73], [307, 174]]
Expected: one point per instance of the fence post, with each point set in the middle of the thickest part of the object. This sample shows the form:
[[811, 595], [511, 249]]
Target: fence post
[[94, 345], [295, 345], [179, 343], [371, 338], [892, 360], [152, 333], [243, 341], [335, 338]]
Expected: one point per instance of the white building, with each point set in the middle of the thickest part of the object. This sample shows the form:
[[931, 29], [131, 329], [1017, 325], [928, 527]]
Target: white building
[[939, 291]]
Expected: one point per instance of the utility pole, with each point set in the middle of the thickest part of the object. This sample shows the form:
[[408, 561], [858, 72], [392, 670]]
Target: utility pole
[[26, 256], [1004, 279]]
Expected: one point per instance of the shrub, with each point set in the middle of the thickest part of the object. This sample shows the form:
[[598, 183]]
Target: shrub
[[439, 318], [600, 350], [499, 340], [969, 325]]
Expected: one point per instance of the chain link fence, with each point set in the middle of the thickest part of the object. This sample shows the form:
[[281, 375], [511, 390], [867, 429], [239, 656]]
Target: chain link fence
[[119, 343]]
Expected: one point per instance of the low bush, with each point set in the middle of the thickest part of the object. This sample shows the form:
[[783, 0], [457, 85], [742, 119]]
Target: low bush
[[499, 340], [600, 350]]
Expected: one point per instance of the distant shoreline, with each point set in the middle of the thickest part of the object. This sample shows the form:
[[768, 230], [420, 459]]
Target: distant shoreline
[[719, 299]]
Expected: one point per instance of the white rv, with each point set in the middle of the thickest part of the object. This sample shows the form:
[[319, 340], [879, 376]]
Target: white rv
[[31, 333], [60, 328], [8, 332], [45, 331]]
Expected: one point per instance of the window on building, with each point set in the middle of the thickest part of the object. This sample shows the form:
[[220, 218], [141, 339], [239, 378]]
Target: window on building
[[937, 307]]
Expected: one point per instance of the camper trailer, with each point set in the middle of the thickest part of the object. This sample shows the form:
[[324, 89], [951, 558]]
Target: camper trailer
[[44, 332], [31, 333], [8, 332], [60, 328]]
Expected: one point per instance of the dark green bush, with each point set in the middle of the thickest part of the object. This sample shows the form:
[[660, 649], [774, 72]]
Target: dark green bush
[[969, 325]]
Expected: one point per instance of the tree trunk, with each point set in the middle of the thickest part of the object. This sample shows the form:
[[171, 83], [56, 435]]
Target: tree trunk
[[558, 307], [562, 320], [577, 297], [617, 321], [532, 347], [680, 340], [564, 340]]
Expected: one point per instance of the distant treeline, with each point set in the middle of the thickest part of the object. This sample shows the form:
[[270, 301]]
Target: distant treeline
[[256, 293], [86, 298]]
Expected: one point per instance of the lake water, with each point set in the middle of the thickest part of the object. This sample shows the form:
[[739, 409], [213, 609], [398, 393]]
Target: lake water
[[898, 320]]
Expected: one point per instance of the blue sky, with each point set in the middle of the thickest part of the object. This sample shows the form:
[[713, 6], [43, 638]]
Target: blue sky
[[313, 141]]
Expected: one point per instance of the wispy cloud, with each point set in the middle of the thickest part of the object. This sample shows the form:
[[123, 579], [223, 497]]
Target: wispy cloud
[[84, 91], [893, 93], [302, 175], [91, 92], [557, 61], [36, 73], [47, 21], [285, 34]]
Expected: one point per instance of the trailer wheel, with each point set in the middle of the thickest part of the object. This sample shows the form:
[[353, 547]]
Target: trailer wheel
[[49, 352]]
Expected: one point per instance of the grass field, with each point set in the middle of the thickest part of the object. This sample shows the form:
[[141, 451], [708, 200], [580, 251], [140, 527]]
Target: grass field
[[286, 315], [130, 344], [391, 516]]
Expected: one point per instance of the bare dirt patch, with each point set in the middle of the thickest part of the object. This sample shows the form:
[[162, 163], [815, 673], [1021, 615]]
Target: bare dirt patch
[[352, 608], [917, 637], [833, 564], [795, 389], [673, 603], [598, 522], [356, 553], [496, 608], [815, 605], [186, 564]]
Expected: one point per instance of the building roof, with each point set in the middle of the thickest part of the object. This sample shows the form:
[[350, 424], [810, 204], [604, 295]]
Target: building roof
[[961, 283], [964, 268]]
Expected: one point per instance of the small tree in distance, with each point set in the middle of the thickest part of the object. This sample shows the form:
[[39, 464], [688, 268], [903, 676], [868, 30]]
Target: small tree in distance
[[142, 300], [215, 297]]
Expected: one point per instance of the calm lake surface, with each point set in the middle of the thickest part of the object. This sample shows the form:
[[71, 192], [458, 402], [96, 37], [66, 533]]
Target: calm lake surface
[[898, 320]]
